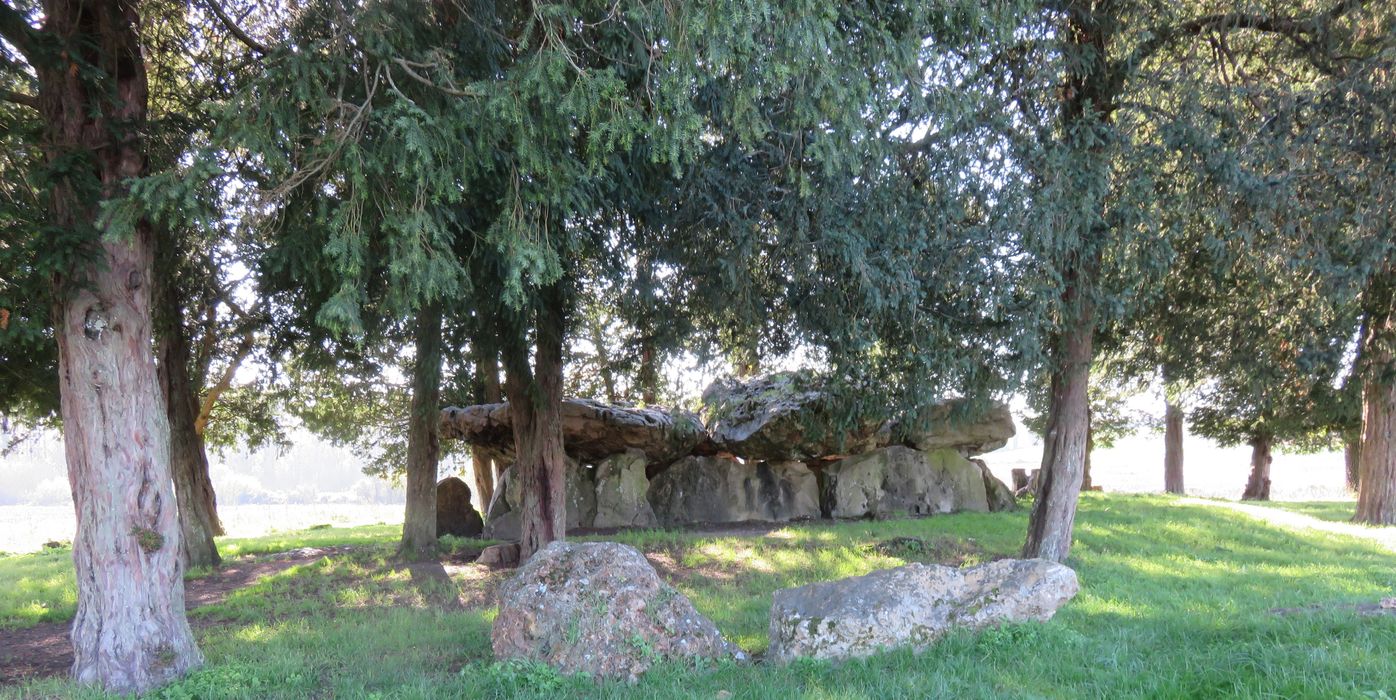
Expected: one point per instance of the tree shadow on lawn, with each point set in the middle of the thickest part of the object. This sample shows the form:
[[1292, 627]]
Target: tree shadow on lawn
[[1175, 602]]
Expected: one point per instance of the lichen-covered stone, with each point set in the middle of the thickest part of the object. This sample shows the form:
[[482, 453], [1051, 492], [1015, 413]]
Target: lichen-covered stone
[[953, 426], [898, 480], [1000, 496], [620, 492], [591, 430], [780, 418], [726, 490], [912, 606], [599, 608]]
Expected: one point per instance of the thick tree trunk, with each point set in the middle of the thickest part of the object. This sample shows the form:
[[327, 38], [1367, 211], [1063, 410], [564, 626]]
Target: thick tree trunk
[[487, 369], [1064, 445], [535, 401], [423, 439], [1352, 456], [129, 633], [1258, 485], [1376, 489], [1172, 448], [198, 515], [198, 505]]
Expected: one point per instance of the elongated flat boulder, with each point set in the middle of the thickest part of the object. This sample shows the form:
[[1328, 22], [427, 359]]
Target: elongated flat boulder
[[591, 430], [912, 606]]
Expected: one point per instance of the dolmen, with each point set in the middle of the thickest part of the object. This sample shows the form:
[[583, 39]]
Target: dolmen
[[762, 450]]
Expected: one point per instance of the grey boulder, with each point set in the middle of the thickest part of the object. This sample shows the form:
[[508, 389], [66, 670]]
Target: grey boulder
[[599, 608], [726, 490], [912, 606], [897, 480]]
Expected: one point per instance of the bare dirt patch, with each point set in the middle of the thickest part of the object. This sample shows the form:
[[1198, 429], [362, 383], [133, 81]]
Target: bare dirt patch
[[44, 649]]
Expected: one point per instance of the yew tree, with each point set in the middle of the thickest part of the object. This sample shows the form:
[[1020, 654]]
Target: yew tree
[[1090, 132], [82, 67]]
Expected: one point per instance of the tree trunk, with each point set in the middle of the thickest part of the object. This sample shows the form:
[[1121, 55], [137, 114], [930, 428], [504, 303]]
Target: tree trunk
[[1376, 488], [535, 401], [487, 369], [1064, 444], [1172, 448], [1090, 447], [1258, 485], [423, 439], [129, 633], [198, 515], [603, 359], [1352, 451]]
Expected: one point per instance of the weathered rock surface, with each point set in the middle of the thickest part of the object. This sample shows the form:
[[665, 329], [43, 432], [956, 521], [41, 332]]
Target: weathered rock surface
[[726, 490], [912, 606], [778, 418], [786, 417], [951, 426], [898, 480], [591, 430], [454, 513], [599, 608], [619, 492], [1000, 496]]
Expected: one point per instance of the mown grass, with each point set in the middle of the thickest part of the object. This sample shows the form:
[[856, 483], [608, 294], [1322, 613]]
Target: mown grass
[[1332, 511], [1176, 602]]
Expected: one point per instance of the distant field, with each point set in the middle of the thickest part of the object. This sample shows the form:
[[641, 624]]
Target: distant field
[[27, 528]]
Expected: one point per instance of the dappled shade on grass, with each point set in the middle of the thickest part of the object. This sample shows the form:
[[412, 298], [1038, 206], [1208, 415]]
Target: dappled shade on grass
[[1175, 602]]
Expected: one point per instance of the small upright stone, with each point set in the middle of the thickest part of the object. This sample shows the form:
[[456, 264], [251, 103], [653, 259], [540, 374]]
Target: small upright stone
[[599, 608]]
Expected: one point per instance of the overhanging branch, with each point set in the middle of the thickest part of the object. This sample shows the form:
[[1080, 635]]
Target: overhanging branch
[[233, 28], [20, 98]]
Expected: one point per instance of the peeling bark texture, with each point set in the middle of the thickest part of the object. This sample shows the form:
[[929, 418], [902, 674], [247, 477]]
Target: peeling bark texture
[[1376, 489], [1063, 448], [129, 634], [1172, 448], [535, 404], [1088, 103], [1258, 485], [423, 439]]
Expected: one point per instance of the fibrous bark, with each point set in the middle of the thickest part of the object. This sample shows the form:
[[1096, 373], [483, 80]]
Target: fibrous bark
[[1172, 448], [129, 633], [1258, 485], [423, 442], [1352, 456], [1064, 447], [1376, 490], [535, 401]]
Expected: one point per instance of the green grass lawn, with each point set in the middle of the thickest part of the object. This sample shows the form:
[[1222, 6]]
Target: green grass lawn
[[1175, 602], [1332, 511]]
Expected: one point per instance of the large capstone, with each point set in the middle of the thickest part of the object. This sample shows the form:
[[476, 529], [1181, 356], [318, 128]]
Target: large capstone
[[912, 606], [454, 513], [899, 481], [620, 492], [591, 430], [726, 490], [782, 417], [956, 425], [599, 608]]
